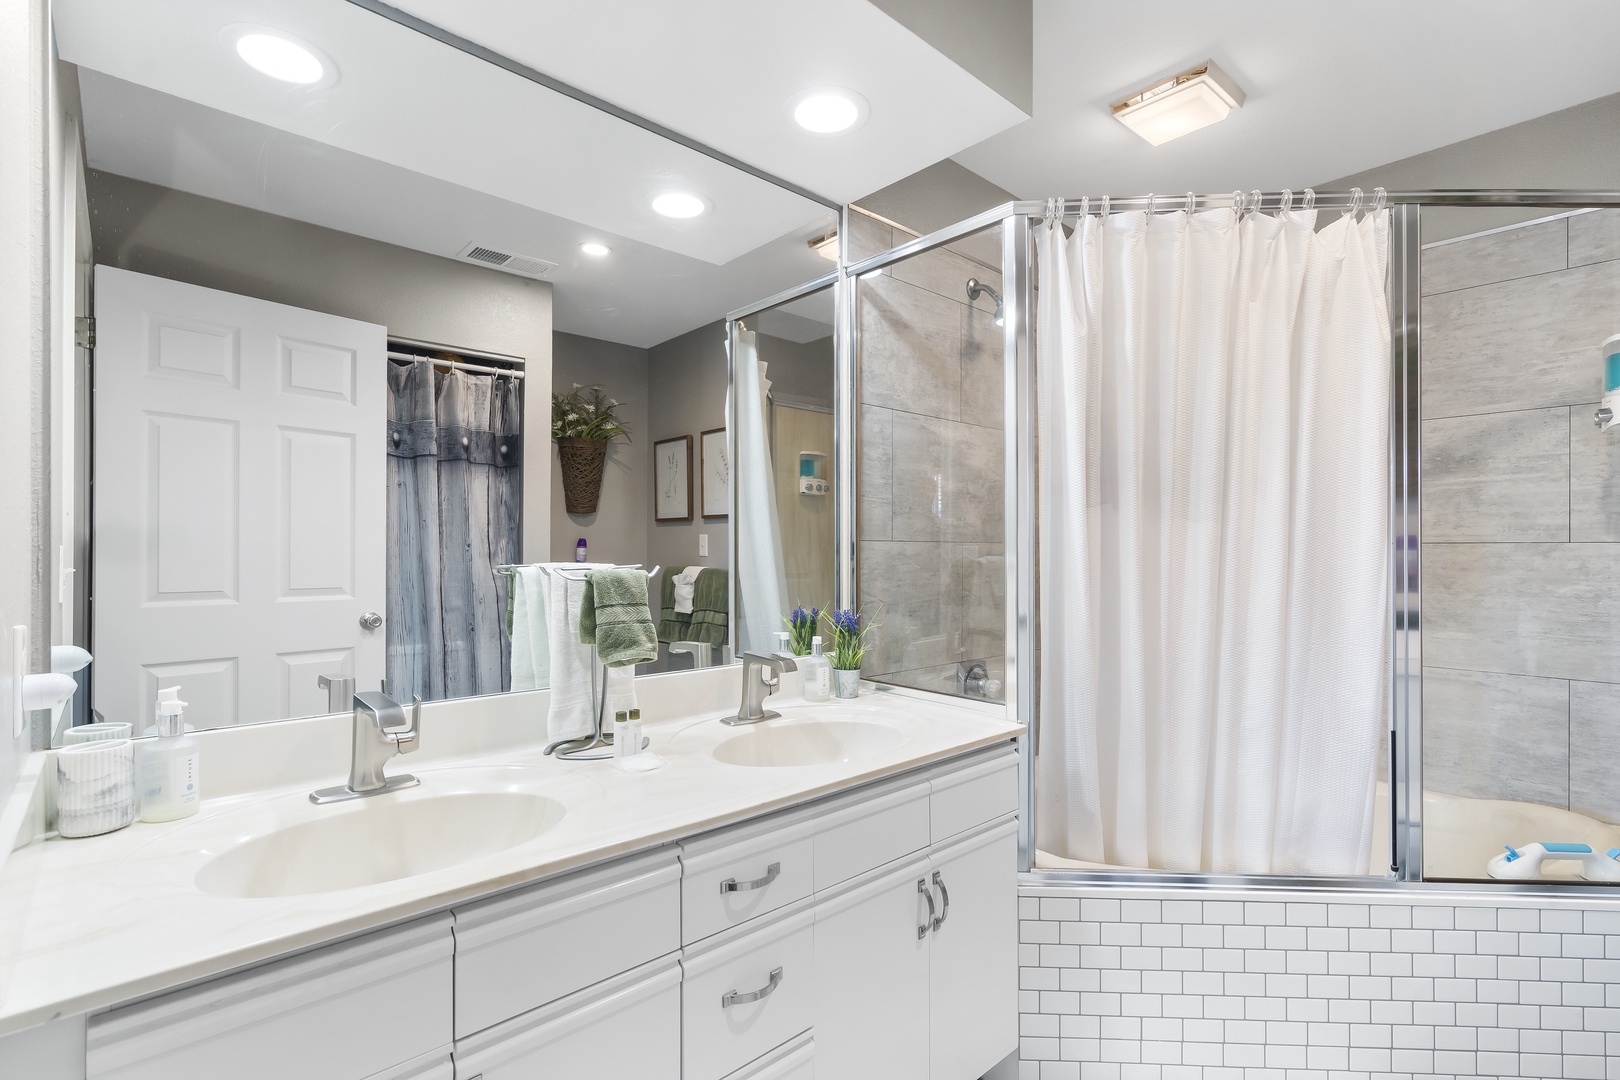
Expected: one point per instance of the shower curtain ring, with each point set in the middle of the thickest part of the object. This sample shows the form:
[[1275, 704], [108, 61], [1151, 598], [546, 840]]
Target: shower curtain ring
[[1287, 200], [1105, 207], [1062, 209], [1355, 202], [1310, 198], [1085, 207], [1254, 204], [1153, 204], [1237, 202], [1192, 202], [1380, 196]]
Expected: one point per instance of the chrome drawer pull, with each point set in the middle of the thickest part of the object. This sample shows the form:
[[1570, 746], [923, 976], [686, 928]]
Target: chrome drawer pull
[[737, 997], [939, 922], [922, 888], [731, 884]]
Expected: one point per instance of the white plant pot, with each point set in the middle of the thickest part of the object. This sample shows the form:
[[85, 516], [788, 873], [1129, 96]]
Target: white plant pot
[[846, 682]]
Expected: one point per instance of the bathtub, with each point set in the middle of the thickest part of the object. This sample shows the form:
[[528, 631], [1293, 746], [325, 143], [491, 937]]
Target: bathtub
[[1459, 836]]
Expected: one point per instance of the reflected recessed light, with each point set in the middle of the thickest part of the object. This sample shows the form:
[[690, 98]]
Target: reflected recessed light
[[280, 58], [595, 249], [828, 110], [679, 204]]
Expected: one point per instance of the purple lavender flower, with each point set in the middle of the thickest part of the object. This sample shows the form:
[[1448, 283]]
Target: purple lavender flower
[[845, 620]]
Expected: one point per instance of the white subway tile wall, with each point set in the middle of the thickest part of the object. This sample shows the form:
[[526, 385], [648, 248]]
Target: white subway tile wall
[[1136, 984]]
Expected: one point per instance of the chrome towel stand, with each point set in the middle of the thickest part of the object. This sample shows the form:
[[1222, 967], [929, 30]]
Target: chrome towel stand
[[596, 746]]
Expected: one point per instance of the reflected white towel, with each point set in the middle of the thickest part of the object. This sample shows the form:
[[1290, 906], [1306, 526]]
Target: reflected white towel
[[685, 583], [531, 647], [570, 716]]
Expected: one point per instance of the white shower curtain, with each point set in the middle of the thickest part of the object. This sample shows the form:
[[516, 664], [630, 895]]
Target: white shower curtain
[[761, 574], [1214, 465]]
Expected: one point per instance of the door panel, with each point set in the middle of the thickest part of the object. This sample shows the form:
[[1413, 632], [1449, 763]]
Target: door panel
[[973, 974], [240, 486]]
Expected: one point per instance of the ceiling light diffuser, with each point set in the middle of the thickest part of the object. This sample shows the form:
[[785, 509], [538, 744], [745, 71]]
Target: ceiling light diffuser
[[826, 246], [1181, 104], [679, 204], [828, 110], [594, 249], [280, 58]]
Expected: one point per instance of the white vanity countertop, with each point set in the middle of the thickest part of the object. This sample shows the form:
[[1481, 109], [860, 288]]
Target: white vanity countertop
[[97, 921]]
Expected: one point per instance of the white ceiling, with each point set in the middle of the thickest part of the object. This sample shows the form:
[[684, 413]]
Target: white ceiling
[[722, 72], [1333, 89]]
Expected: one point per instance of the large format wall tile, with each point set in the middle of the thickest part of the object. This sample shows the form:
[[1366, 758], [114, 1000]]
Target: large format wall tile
[[1498, 477], [983, 374], [867, 237], [979, 579], [906, 587], [1594, 747], [877, 473], [1524, 344], [1527, 609], [1594, 237], [1594, 478], [1496, 256], [947, 480], [910, 348], [1496, 736], [945, 272]]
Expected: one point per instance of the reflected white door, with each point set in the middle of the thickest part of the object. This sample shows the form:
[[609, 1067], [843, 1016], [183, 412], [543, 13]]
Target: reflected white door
[[239, 497]]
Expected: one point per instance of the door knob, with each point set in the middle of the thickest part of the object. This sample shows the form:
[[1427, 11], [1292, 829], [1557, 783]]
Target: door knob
[[371, 620]]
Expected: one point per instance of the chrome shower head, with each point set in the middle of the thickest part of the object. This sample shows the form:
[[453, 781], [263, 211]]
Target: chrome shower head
[[975, 288]]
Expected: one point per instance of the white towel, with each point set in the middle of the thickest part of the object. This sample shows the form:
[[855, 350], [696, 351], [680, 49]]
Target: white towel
[[531, 647], [621, 691], [571, 673], [685, 582]]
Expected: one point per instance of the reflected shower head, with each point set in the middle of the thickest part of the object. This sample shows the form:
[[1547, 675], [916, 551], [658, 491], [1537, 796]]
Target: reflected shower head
[[975, 287]]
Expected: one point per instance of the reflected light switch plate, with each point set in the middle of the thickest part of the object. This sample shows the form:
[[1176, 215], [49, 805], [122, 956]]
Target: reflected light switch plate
[[703, 545]]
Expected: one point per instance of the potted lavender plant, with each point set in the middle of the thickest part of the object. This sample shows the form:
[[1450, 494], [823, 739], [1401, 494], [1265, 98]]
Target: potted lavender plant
[[850, 647], [802, 626]]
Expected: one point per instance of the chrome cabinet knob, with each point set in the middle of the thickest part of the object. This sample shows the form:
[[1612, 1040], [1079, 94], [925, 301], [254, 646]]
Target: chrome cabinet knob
[[370, 620]]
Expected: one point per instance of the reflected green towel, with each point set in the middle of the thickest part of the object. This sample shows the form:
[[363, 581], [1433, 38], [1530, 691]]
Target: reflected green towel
[[615, 618], [711, 606]]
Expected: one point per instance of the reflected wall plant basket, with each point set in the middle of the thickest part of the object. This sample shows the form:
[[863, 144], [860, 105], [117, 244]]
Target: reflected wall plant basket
[[583, 463]]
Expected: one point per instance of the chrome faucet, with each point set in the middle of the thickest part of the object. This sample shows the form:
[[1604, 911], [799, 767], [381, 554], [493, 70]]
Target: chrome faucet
[[380, 732], [757, 685]]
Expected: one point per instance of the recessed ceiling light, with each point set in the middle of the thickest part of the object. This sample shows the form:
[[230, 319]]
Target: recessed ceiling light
[[1183, 103], [679, 204], [828, 110], [280, 58], [594, 249]]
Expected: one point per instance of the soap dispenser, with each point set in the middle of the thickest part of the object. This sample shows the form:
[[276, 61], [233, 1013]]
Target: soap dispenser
[[167, 769], [817, 673]]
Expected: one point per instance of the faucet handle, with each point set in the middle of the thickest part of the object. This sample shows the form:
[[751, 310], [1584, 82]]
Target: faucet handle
[[408, 738]]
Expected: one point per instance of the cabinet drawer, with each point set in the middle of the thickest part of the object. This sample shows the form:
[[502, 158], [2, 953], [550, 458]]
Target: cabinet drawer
[[965, 796], [746, 994], [354, 1009], [867, 829], [515, 953], [628, 1026], [794, 1061], [739, 874]]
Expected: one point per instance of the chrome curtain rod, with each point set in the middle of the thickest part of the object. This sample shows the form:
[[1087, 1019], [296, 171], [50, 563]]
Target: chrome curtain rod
[[1339, 200], [413, 358]]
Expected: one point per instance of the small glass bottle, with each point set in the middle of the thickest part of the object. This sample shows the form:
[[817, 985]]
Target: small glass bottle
[[817, 673]]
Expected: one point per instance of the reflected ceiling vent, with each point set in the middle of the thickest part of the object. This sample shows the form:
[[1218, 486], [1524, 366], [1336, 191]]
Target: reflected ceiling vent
[[522, 265]]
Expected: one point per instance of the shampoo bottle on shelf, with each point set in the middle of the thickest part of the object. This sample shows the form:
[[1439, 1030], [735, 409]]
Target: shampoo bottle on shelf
[[168, 774], [579, 550], [817, 673]]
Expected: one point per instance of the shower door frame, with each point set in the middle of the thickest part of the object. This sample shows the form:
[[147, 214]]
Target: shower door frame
[[1404, 703]]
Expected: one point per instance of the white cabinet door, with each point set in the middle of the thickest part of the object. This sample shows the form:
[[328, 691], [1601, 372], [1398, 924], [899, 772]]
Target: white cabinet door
[[973, 956], [872, 987], [239, 498]]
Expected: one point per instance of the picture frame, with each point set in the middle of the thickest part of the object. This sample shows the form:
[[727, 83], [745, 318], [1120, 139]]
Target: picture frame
[[672, 479], [714, 475]]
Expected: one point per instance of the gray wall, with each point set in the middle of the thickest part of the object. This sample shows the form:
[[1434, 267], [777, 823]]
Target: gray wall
[[172, 234], [940, 195], [1521, 517], [993, 40], [686, 388], [1574, 148], [801, 373], [618, 529], [931, 517]]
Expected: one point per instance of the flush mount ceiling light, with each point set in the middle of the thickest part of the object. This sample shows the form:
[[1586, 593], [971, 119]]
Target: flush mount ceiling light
[[595, 250], [679, 204], [826, 246], [280, 58], [828, 110], [1183, 103]]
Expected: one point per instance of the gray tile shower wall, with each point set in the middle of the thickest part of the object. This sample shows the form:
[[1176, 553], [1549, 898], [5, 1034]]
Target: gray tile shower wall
[[1143, 984], [1521, 516], [931, 522]]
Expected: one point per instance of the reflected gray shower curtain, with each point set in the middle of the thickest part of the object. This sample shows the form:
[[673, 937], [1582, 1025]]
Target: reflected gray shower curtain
[[455, 479], [1214, 567]]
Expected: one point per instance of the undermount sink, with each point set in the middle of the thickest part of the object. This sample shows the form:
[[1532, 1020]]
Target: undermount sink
[[376, 840], [781, 743]]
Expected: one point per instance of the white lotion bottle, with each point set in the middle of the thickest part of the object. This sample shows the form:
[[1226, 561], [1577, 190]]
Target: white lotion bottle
[[168, 773], [817, 673]]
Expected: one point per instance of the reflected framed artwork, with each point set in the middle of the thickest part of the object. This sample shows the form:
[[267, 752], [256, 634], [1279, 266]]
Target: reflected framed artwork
[[715, 476], [672, 479]]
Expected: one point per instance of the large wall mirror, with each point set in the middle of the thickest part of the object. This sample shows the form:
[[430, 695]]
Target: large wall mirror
[[339, 271]]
